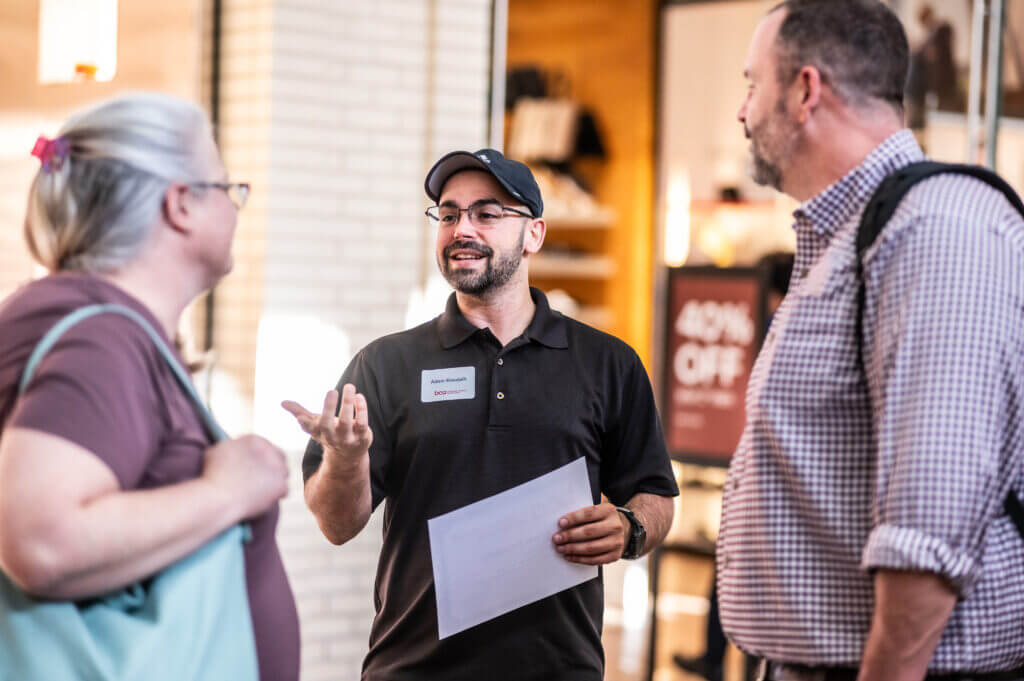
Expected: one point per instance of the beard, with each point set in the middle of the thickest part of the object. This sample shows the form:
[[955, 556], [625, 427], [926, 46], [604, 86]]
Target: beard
[[498, 268], [771, 141], [763, 171]]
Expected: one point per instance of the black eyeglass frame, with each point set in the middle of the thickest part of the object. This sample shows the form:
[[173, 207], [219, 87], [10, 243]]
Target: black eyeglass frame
[[434, 211]]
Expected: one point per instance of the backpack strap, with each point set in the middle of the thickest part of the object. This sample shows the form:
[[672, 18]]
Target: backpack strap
[[1015, 510], [877, 214], [51, 337], [895, 186]]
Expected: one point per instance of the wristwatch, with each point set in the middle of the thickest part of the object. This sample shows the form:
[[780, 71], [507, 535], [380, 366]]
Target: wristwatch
[[637, 535]]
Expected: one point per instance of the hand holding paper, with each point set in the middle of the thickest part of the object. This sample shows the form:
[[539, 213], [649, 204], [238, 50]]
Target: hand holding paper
[[594, 535], [497, 554]]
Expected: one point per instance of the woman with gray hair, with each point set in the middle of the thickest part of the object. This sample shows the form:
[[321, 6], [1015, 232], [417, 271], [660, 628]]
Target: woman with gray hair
[[107, 476]]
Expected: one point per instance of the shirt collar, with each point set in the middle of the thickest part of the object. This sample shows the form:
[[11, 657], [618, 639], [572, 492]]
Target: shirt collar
[[547, 326], [840, 201]]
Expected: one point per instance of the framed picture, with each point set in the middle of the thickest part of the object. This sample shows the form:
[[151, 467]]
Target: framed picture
[[714, 327]]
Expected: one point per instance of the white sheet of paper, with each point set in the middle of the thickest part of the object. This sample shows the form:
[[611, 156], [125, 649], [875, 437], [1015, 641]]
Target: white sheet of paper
[[496, 555]]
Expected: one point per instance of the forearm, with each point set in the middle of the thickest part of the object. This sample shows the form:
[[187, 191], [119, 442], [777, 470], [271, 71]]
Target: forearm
[[655, 513], [911, 611], [122, 537], [339, 495]]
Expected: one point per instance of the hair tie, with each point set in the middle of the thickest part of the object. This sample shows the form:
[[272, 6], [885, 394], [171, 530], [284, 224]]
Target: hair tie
[[51, 153]]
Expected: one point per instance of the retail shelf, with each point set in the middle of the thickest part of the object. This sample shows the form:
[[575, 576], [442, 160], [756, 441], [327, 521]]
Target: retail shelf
[[605, 220], [558, 266]]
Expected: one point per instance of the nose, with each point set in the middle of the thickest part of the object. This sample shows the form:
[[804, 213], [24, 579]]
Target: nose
[[464, 227], [741, 115]]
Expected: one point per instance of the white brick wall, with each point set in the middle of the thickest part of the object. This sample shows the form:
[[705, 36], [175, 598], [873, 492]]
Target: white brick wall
[[334, 110], [18, 132], [16, 172]]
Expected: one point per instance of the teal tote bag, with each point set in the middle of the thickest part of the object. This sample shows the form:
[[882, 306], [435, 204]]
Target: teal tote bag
[[190, 621]]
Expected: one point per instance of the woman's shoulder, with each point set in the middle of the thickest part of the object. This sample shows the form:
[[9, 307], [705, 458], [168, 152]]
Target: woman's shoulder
[[104, 346], [37, 305], [56, 295]]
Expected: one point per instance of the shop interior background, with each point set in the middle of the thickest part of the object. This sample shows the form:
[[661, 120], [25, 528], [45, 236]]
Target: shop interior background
[[334, 110]]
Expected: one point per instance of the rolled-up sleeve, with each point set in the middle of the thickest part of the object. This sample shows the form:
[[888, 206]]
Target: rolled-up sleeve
[[944, 369]]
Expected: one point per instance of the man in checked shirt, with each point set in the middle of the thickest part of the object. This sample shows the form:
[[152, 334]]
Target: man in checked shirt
[[863, 534]]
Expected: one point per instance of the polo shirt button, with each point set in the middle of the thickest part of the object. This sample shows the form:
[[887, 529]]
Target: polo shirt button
[[501, 362], [501, 396]]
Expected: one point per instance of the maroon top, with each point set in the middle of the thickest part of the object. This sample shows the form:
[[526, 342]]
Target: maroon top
[[105, 387]]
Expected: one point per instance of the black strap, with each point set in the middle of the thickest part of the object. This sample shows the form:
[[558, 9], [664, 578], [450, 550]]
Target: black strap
[[877, 214], [890, 193], [1015, 510]]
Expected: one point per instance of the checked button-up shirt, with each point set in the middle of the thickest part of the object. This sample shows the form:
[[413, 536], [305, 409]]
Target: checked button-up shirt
[[901, 462]]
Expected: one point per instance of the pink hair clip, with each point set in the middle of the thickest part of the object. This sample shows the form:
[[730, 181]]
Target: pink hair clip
[[51, 153]]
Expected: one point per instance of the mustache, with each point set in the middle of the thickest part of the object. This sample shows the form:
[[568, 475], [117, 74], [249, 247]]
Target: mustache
[[467, 246]]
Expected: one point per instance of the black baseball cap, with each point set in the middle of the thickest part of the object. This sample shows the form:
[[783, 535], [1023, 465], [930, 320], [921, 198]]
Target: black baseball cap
[[514, 176]]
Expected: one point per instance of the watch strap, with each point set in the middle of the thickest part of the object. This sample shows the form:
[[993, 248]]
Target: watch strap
[[637, 534]]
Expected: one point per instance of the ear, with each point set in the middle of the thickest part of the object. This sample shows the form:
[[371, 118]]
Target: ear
[[534, 237], [808, 86], [179, 208]]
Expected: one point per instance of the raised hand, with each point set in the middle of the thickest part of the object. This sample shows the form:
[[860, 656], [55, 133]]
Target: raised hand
[[343, 432]]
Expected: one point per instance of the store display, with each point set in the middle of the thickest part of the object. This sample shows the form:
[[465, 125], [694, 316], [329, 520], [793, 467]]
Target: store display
[[543, 130]]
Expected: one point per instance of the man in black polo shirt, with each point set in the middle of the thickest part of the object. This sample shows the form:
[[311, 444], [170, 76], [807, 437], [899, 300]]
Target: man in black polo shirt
[[534, 391]]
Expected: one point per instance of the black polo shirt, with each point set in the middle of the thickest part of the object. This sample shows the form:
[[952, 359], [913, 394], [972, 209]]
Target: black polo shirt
[[456, 418]]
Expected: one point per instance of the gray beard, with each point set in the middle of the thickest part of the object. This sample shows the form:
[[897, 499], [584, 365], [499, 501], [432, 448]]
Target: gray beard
[[765, 173]]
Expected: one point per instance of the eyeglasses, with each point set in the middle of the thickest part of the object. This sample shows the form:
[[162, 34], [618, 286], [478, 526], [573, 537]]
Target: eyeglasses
[[238, 192], [483, 214]]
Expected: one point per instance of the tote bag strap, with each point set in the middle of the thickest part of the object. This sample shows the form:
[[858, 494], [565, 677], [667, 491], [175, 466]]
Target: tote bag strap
[[61, 327]]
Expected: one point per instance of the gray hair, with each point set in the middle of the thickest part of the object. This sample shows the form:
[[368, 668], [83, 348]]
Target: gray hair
[[94, 211], [858, 46]]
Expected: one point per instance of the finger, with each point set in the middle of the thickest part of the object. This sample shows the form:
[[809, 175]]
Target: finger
[[362, 420], [602, 559], [310, 426], [297, 410], [348, 400], [590, 531], [604, 512], [591, 548], [580, 516], [307, 420], [326, 420]]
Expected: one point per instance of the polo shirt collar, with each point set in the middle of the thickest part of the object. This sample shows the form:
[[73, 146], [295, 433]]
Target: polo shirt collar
[[547, 326]]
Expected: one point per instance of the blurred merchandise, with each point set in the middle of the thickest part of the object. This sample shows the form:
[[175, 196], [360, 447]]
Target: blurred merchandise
[[559, 138], [524, 81], [562, 302], [698, 506], [543, 130], [565, 198], [738, 233]]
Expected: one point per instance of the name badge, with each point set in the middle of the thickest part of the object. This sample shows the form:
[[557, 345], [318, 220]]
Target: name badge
[[441, 385]]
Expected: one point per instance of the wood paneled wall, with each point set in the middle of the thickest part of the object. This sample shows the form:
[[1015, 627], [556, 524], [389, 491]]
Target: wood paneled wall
[[606, 49]]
